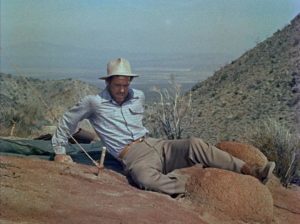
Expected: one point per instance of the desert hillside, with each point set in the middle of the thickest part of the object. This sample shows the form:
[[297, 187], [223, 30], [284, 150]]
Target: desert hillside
[[22, 101], [263, 83]]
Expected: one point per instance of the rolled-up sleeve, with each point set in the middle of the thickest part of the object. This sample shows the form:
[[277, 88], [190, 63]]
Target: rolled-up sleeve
[[68, 124]]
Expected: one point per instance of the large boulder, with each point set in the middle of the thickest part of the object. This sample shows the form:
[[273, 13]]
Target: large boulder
[[286, 202], [245, 152], [230, 196], [39, 191]]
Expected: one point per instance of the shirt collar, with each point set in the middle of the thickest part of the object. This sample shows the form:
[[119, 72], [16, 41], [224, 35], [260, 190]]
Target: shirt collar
[[107, 97]]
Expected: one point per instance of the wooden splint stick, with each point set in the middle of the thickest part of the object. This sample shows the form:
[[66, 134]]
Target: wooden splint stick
[[101, 163]]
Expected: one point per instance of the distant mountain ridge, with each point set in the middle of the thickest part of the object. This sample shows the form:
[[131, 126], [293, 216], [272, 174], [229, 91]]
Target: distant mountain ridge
[[263, 83], [42, 59]]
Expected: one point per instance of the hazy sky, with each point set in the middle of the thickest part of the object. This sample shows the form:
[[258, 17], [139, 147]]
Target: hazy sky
[[154, 26]]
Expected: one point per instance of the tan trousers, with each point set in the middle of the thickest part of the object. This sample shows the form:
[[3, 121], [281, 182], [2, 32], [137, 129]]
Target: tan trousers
[[151, 162]]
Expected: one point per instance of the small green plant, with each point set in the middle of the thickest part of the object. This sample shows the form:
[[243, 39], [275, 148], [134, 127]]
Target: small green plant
[[279, 145]]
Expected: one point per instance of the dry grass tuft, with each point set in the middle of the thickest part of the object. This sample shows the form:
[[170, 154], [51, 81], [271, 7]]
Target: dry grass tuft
[[279, 145]]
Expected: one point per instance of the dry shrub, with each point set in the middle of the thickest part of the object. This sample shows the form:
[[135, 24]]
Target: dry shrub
[[172, 114], [279, 145], [22, 121]]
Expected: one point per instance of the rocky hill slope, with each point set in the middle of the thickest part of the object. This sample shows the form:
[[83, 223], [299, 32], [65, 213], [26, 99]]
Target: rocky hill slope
[[263, 83], [21, 101]]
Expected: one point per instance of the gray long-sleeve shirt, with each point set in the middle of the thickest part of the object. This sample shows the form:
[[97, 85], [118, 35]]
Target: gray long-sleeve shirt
[[116, 125]]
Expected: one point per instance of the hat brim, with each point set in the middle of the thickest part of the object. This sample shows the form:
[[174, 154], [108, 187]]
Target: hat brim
[[111, 75]]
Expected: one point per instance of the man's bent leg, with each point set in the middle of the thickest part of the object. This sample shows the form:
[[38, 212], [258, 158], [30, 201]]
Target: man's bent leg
[[144, 164], [184, 153], [149, 178]]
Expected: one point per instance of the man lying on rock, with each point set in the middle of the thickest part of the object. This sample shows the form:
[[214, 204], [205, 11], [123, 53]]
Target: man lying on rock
[[116, 115]]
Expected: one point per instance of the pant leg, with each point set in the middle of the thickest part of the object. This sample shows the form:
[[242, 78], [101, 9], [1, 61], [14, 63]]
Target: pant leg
[[149, 178], [188, 152], [144, 163]]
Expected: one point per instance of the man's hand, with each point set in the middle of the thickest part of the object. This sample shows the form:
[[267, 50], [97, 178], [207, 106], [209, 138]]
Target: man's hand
[[63, 158]]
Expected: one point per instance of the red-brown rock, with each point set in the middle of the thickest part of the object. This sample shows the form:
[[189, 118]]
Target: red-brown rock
[[286, 202], [245, 152], [229, 195], [38, 191]]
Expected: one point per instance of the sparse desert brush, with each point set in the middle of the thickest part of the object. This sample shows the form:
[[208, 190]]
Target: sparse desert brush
[[172, 114], [279, 145], [22, 121]]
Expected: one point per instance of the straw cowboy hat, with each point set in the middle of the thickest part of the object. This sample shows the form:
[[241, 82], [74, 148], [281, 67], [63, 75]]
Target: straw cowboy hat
[[118, 66]]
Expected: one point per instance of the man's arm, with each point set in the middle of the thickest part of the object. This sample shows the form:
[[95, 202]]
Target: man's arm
[[67, 126]]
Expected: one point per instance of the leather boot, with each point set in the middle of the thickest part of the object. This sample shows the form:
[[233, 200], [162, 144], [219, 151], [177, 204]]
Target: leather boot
[[261, 173]]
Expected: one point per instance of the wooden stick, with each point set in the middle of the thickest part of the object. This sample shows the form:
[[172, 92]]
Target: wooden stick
[[101, 163]]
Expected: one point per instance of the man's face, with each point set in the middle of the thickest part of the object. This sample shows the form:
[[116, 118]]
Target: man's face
[[118, 87]]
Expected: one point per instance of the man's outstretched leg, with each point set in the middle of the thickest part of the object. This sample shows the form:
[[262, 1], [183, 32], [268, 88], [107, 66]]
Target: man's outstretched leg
[[188, 152]]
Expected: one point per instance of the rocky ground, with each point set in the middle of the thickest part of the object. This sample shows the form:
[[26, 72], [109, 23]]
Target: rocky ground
[[38, 191]]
